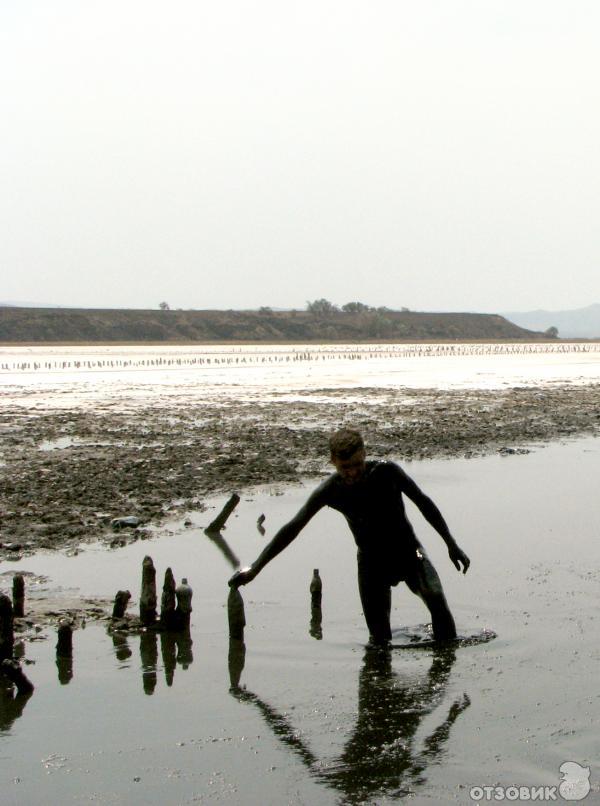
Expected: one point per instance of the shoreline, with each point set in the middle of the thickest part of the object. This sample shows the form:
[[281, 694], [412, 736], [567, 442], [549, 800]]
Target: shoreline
[[67, 471]]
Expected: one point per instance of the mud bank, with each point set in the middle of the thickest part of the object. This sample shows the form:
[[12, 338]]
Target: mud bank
[[66, 472]]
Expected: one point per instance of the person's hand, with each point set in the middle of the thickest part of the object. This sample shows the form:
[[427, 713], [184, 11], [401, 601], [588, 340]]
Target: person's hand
[[459, 558], [242, 577]]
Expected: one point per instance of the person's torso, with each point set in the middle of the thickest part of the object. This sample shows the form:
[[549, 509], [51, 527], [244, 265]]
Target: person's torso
[[373, 508]]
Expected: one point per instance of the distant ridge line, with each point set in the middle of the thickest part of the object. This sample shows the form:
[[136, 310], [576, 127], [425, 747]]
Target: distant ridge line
[[90, 325]]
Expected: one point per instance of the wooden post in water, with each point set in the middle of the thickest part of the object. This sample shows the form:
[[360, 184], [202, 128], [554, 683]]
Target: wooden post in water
[[221, 519], [235, 614], [184, 595], [18, 596], [64, 644], [316, 589], [7, 635], [167, 602], [120, 605], [148, 594]]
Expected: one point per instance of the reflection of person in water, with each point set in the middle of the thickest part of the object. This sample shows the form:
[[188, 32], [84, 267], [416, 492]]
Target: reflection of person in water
[[380, 755], [369, 494]]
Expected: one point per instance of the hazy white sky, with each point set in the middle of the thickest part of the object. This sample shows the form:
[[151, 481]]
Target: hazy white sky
[[439, 155]]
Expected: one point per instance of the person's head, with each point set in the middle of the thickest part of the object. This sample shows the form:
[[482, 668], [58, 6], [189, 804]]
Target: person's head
[[347, 451]]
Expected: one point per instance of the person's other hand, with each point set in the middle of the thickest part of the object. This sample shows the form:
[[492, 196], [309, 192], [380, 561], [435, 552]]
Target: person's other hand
[[459, 558], [242, 577]]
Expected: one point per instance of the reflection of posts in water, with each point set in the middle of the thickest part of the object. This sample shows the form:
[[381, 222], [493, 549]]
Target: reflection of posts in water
[[168, 652], [64, 651], [259, 525], [223, 546], [149, 658], [11, 705], [167, 601], [219, 522], [18, 593], [236, 661], [185, 656], [236, 614], [148, 593], [316, 623], [121, 646], [64, 665], [176, 650], [379, 758], [7, 635]]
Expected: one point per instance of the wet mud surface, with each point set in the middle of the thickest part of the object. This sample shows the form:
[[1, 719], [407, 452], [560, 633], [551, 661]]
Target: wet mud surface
[[67, 472], [292, 714]]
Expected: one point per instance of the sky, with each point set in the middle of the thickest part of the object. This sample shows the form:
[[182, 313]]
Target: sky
[[433, 155]]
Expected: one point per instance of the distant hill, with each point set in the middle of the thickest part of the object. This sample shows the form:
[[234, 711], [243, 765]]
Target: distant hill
[[88, 325], [582, 323]]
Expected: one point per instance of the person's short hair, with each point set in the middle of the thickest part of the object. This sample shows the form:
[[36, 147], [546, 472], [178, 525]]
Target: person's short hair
[[345, 442]]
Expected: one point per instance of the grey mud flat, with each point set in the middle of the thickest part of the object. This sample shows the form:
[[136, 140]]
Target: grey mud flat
[[66, 472]]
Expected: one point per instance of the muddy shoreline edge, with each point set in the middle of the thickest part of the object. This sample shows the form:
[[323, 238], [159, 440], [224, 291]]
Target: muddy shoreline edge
[[66, 472]]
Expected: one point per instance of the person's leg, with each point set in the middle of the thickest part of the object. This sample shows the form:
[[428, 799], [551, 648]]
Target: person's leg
[[376, 599], [425, 582]]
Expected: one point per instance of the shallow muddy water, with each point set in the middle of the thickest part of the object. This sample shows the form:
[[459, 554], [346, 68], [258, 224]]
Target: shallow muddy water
[[147, 720]]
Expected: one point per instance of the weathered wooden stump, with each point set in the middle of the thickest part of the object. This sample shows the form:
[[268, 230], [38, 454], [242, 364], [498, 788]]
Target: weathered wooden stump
[[221, 519], [120, 605], [168, 602], [235, 614], [64, 644], [7, 635], [184, 595], [18, 596], [148, 594], [316, 589]]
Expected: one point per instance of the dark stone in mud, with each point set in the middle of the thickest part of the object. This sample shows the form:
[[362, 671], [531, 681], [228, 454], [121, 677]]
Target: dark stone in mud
[[129, 522]]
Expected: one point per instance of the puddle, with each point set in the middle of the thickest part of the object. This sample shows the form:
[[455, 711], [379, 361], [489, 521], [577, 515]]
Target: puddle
[[58, 444], [300, 712]]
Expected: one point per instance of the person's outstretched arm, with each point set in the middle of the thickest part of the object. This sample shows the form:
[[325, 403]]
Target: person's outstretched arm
[[433, 516], [282, 539]]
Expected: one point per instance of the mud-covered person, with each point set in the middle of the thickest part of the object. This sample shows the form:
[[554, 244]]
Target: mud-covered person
[[370, 496]]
